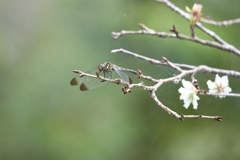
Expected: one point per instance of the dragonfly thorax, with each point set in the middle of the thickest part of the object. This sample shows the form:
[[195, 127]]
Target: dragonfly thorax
[[104, 67]]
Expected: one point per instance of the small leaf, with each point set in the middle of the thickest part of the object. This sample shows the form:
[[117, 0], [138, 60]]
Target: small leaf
[[188, 9]]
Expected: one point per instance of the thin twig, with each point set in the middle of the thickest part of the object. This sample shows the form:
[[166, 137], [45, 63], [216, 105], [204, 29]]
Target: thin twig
[[148, 31], [181, 116], [221, 23], [221, 94], [117, 81], [150, 60], [200, 26], [201, 68]]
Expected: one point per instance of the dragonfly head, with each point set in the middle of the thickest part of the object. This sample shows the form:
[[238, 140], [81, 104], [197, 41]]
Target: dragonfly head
[[100, 67], [104, 67]]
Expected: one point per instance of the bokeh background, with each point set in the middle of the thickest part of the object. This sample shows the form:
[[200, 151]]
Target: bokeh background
[[43, 117]]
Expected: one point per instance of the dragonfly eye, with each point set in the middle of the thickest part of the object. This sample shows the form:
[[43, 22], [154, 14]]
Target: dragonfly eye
[[100, 68]]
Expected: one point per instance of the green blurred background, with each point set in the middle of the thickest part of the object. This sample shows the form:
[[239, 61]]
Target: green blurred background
[[43, 117]]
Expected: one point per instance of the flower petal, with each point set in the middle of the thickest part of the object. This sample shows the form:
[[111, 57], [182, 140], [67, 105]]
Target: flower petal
[[195, 104], [224, 81], [227, 90], [211, 85], [187, 84], [218, 80], [187, 103]]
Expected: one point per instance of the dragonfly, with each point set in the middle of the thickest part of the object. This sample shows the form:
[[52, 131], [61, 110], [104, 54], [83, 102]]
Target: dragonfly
[[107, 70]]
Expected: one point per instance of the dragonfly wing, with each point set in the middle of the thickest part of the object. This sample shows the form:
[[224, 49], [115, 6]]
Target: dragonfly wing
[[122, 75], [90, 84], [86, 83], [77, 81], [74, 82]]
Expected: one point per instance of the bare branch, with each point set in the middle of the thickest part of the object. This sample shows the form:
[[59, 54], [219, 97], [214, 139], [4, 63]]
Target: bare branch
[[172, 65], [201, 68], [149, 78], [200, 26], [221, 23], [181, 116], [117, 81], [150, 60], [216, 118], [221, 94], [148, 31]]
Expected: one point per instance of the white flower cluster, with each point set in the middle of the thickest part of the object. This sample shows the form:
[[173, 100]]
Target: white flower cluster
[[189, 91], [220, 85]]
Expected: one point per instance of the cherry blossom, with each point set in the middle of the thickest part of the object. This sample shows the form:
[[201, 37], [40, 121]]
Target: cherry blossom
[[220, 85], [188, 94]]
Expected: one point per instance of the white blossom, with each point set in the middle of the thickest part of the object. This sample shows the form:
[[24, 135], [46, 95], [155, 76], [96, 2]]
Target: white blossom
[[188, 94], [220, 85]]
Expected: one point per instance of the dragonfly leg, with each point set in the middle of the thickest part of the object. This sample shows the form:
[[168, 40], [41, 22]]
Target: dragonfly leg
[[109, 74]]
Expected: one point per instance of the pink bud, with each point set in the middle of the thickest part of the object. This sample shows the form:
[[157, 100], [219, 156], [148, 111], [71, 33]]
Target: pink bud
[[196, 10]]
